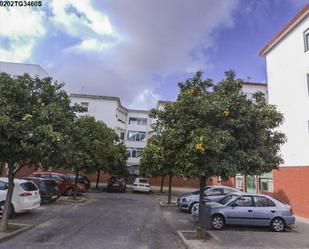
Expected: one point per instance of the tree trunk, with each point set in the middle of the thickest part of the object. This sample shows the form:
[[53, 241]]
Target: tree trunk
[[162, 182], [202, 228], [75, 185], [170, 188], [98, 180], [7, 206]]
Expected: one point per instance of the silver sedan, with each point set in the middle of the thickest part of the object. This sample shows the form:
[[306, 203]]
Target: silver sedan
[[249, 209]]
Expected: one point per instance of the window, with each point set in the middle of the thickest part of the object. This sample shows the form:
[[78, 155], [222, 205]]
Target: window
[[239, 179], [266, 182], [28, 186], [134, 152], [122, 135], [138, 121], [261, 201], [306, 40], [266, 185], [85, 105], [243, 201], [214, 191], [136, 136], [3, 186], [228, 190]]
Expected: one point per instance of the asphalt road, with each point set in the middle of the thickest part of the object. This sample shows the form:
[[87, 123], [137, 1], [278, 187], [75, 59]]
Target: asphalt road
[[106, 220]]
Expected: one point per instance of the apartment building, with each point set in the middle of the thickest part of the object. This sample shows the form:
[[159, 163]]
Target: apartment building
[[132, 126], [287, 61]]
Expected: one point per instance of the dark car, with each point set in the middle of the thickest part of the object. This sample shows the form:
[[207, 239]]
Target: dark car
[[66, 186], [49, 190], [81, 179], [116, 184]]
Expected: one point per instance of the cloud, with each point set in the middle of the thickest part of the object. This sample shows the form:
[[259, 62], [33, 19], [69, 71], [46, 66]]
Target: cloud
[[146, 38], [79, 19], [115, 47], [23, 28], [147, 99]]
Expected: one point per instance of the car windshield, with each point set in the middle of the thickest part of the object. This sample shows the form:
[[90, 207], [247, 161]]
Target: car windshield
[[227, 199], [28, 186]]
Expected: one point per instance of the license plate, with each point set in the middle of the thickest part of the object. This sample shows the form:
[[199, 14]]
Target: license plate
[[54, 196]]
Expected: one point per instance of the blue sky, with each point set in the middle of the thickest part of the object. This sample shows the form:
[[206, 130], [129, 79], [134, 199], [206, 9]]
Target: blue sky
[[140, 49]]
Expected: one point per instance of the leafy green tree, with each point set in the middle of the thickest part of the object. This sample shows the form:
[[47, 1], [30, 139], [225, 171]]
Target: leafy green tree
[[94, 147], [158, 157], [217, 130], [35, 115]]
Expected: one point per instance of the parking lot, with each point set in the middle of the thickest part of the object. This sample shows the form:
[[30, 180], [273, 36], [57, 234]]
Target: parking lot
[[296, 237], [106, 220], [128, 220]]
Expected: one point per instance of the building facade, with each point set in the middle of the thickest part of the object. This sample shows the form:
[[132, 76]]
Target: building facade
[[287, 61], [132, 126]]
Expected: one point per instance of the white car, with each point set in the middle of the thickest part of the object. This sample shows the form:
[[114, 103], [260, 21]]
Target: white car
[[141, 185], [25, 197]]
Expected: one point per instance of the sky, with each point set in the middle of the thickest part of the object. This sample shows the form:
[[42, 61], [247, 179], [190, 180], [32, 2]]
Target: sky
[[138, 50]]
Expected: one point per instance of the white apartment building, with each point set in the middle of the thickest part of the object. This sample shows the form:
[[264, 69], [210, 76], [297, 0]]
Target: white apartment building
[[132, 126], [287, 60]]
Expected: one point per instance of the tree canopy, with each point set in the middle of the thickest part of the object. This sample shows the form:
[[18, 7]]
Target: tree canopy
[[35, 115]]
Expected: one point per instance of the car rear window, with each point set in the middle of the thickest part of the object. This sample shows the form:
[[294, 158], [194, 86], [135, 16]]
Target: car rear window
[[143, 181], [28, 186], [50, 183]]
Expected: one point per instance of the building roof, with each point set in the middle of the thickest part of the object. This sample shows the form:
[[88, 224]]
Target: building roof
[[18, 69], [254, 84], [286, 29], [89, 96]]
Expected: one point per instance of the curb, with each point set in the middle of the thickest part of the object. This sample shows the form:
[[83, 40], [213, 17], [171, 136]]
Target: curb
[[164, 204], [7, 236], [183, 239]]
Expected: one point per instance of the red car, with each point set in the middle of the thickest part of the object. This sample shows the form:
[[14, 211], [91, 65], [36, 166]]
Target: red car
[[65, 185]]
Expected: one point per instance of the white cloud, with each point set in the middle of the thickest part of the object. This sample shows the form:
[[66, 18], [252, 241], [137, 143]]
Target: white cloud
[[146, 100], [79, 19], [23, 28]]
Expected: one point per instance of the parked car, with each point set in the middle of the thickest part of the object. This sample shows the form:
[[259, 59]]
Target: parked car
[[211, 193], [81, 179], [25, 197], [141, 185], [249, 209], [48, 188], [116, 184], [66, 186]]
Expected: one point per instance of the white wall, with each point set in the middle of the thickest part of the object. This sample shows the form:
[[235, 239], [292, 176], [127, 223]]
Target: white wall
[[102, 109], [287, 69], [249, 89]]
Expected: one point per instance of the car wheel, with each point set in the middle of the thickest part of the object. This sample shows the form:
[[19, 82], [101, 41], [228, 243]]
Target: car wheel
[[217, 222], [191, 206], [69, 192], [277, 224]]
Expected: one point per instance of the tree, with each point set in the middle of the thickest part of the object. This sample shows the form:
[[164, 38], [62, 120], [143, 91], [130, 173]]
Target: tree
[[93, 147], [151, 164], [34, 117], [158, 157], [217, 130]]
